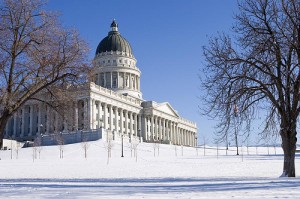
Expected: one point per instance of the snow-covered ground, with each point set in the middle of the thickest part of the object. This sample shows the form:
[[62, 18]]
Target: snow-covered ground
[[189, 174]]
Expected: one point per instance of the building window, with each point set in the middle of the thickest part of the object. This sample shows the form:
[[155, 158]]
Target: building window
[[127, 81], [120, 60], [133, 82], [115, 80]]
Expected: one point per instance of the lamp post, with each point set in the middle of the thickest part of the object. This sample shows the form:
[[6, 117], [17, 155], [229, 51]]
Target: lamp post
[[122, 155]]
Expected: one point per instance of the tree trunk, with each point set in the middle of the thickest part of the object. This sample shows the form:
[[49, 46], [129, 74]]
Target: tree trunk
[[289, 140], [3, 120]]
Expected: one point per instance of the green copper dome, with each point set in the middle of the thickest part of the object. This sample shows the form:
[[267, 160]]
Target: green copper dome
[[114, 41]]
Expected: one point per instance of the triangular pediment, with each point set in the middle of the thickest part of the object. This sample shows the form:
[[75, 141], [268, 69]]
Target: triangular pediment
[[167, 108]]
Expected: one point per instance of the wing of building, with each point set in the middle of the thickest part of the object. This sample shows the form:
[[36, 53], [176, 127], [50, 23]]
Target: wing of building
[[112, 102]]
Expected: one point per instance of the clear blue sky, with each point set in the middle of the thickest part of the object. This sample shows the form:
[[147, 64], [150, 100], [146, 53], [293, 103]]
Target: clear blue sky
[[167, 38]]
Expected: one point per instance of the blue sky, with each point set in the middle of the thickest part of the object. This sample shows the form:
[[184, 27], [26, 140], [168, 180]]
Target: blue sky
[[167, 38]]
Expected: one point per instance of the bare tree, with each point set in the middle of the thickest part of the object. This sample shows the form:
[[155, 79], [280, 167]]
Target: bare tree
[[34, 152], [85, 145], [60, 143], [258, 70], [135, 142], [131, 148], [155, 146], [17, 148], [108, 146], [38, 144], [35, 55]]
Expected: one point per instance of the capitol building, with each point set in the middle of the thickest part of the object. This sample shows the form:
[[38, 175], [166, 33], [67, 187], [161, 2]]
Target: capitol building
[[111, 102]]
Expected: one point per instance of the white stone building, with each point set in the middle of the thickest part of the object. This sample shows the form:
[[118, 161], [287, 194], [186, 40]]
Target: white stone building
[[113, 102]]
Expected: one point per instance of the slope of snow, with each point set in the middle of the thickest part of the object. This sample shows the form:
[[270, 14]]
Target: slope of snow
[[181, 173]]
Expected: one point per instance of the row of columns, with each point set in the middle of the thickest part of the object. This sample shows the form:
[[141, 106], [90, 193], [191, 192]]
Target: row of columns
[[161, 129], [92, 114], [31, 120], [130, 81], [99, 114]]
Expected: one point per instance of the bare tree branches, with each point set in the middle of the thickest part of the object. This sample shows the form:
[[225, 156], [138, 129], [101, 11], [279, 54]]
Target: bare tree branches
[[259, 70], [36, 55]]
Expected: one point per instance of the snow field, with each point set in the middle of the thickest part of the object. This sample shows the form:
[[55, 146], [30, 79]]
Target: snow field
[[187, 175]]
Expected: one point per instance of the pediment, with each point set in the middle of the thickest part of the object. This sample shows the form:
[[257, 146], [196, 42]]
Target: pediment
[[167, 108]]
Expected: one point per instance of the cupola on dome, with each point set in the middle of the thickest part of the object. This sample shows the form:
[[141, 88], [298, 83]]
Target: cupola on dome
[[114, 42]]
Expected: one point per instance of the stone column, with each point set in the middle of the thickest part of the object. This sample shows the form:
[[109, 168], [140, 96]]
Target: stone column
[[135, 125], [118, 79], [159, 129], [130, 125], [30, 133], [177, 133], [156, 128], [75, 116], [194, 139], [152, 128], [110, 117], [105, 116], [48, 122], [23, 122], [39, 118], [92, 114], [136, 83], [124, 80], [130, 82], [121, 121], [101, 112], [145, 133], [140, 125], [98, 111], [126, 122], [163, 129], [185, 137], [85, 114], [171, 131], [190, 138], [167, 130], [117, 120], [15, 125]]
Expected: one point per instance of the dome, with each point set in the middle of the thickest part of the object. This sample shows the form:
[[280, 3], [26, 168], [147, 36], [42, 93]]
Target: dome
[[114, 42]]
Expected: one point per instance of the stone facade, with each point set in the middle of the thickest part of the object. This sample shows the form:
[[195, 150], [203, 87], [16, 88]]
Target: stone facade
[[113, 102]]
